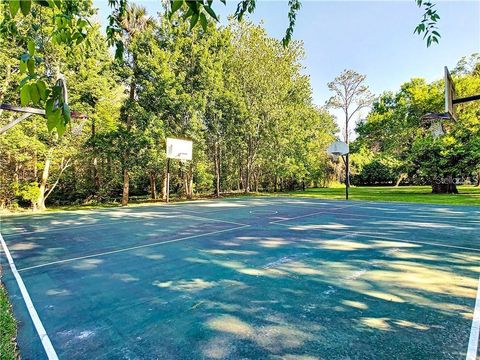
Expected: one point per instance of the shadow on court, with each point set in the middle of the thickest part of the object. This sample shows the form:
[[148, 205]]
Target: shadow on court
[[271, 278]]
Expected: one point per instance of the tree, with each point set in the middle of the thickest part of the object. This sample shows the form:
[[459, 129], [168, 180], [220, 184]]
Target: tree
[[132, 23], [350, 95]]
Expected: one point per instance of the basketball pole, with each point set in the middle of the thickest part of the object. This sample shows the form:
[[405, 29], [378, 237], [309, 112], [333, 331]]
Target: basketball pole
[[168, 180], [347, 175]]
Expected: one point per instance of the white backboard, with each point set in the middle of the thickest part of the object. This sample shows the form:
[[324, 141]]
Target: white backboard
[[179, 149], [450, 94], [338, 148]]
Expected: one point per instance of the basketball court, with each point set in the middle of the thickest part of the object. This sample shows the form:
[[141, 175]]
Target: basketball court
[[247, 278]]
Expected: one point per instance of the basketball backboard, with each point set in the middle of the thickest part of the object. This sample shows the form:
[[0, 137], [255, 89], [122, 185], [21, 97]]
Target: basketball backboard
[[450, 94], [179, 149], [338, 148]]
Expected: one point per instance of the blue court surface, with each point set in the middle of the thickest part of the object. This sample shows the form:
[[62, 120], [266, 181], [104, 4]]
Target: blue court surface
[[247, 278]]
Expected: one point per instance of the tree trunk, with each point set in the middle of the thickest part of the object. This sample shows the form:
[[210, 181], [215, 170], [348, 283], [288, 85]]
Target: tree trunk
[[126, 187], [400, 179], [447, 186], [43, 180], [478, 179], [153, 186]]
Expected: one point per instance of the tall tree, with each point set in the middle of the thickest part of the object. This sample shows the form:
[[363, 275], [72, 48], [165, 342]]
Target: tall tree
[[132, 23], [351, 95]]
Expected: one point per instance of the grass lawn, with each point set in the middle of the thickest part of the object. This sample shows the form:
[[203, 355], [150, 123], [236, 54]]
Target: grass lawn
[[468, 195], [8, 330]]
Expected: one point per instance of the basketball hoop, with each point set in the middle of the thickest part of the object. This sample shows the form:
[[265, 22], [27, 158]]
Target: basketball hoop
[[435, 122], [335, 156], [77, 121], [28, 111]]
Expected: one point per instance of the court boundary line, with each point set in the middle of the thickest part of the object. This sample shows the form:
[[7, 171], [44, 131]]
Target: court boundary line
[[363, 234], [42, 333], [130, 248], [120, 222], [432, 219], [475, 329]]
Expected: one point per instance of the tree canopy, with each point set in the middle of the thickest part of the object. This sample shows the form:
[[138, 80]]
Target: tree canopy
[[240, 95]]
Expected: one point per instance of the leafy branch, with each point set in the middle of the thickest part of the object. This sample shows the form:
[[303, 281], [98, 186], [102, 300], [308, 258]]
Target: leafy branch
[[69, 29], [428, 25]]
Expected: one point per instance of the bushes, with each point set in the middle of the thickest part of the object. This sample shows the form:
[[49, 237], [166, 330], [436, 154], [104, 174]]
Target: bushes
[[376, 172]]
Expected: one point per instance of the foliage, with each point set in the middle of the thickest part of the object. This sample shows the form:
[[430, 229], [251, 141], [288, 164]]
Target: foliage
[[62, 23], [428, 25], [394, 128], [374, 173], [8, 328], [200, 84], [69, 27], [28, 192]]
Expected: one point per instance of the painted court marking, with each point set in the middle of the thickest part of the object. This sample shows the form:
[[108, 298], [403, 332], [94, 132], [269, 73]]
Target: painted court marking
[[131, 248], [475, 330], [47, 344]]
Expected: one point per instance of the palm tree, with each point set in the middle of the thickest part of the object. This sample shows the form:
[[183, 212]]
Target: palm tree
[[134, 21]]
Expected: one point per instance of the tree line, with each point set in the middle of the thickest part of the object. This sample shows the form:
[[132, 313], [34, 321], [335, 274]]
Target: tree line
[[238, 94], [241, 96]]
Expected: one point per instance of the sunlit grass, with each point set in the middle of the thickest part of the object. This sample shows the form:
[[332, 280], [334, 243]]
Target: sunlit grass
[[468, 195]]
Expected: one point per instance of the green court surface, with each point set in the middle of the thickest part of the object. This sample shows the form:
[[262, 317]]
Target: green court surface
[[249, 278]]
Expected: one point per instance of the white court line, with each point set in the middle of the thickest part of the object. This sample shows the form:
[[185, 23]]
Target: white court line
[[475, 330], [307, 215], [47, 344], [214, 220], [413, 220], [130, 248], [381, 237], [110, 222]]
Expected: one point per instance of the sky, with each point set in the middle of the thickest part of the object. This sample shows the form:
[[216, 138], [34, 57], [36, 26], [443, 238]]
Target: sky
[[374, 38]]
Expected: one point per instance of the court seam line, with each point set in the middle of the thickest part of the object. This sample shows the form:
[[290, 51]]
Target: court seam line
[[363, 234], [47, 344], [129, 248], [80, 226], [475, 329]]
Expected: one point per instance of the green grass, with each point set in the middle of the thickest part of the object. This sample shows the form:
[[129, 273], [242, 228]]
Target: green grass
[[8, 328], [468, 195]]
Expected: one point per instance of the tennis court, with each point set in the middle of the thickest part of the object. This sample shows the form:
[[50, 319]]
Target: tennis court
[[248, 278]]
